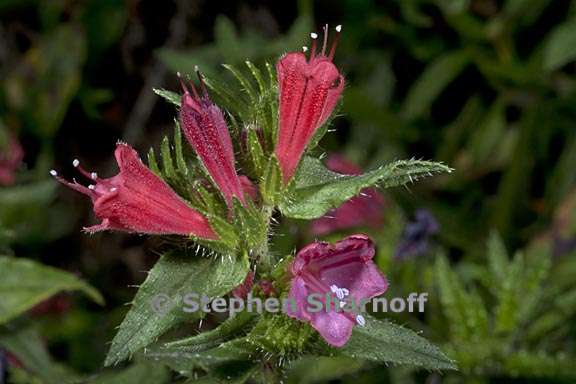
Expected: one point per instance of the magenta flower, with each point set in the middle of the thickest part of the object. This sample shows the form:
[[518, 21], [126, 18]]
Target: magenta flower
[[345, 271], [136, 200], [205, 128], [309, 91], [366, 209], [10, 159]]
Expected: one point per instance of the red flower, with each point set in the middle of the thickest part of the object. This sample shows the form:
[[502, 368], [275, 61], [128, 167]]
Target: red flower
[[136, 200], [309, 91], [366, 209], [205, 128], [10, 159]]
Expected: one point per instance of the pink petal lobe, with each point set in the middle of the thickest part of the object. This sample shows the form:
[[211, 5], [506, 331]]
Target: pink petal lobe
[[335, 328]]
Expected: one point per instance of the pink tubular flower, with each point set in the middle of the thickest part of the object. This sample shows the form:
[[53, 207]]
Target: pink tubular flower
[[10, 159], [309, 91], [345, 271], [365, 209], [136, 200], [205, 128]]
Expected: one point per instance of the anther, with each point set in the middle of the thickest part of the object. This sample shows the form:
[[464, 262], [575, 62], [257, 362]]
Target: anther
[[53, 173]]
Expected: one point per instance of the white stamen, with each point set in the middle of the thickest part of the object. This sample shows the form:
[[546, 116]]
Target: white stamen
[[342, 304], [345, 291], [360, 320], [314, 35], [113, 189], [196, 68], [338, 28], [339, 294], [304, 49], [53, 173], [334, 288], [91, 187], [94, 175], [76, 163]]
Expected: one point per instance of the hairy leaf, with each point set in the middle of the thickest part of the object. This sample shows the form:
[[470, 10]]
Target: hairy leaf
[[383, 341], [317, 189], [158, 305]]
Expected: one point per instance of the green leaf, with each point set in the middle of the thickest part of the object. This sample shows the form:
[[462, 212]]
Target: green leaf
[[153, 163], [383, 341], [216, 336], [466, 313], [249, 223], [432, 82], [226, 231], [26, 344], [243, 81], [167, 163], [560, 48], [173, 276], [187, 359], [25, 283], [497, 260], [140, 373], [255, 151], [322, 369], [171, 97], [540, 365], [317, 189]]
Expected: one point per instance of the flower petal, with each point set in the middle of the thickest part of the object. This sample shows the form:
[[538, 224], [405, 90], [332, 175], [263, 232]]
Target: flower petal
[[298, 300], [335, 328]]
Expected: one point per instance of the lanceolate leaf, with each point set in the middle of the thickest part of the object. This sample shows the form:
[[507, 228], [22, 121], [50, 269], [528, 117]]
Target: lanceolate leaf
[[137, 374], [560, 47], [217, 336], [465, 310], [24, 283], [158, 305], [25, 343], [317, 189], [383, 341], [171, 97], [186, 359]]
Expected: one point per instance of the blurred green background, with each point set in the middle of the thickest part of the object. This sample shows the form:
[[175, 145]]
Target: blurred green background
[[486, 86]]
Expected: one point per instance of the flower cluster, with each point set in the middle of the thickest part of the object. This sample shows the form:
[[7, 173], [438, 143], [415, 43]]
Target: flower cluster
[[140, 201]]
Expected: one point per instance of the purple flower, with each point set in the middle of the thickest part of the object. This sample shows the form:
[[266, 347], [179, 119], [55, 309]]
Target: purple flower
[[416, 235], [344, 271]]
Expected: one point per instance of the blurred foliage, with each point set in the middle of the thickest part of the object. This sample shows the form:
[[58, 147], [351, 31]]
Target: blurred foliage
[[485, 86]]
